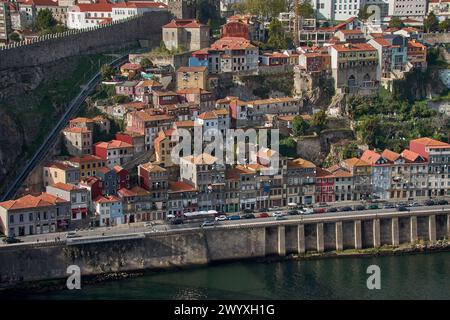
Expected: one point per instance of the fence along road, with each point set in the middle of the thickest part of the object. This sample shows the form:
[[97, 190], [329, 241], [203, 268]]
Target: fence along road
[[52, 137]]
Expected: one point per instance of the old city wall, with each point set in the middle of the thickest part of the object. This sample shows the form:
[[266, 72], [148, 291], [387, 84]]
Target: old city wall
[[199, 247], [115, 36]]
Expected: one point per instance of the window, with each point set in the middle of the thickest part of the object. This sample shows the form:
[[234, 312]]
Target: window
[[11, 219]]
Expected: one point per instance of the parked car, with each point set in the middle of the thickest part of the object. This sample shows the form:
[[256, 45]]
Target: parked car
[[11, 240], [72, 234], [429, 202], [373, 206], [332, 209], [413, 204], [170, 216], [402, 208], [389, 206], [208, 223], [442, 202], [280, 218], [263, 210], [307, 211], [346, 208], [275, 208], [177, 221], [148, 224], [248, 211], [221, 218], [293, 212], [323, 204], [360, 207], [277, 214], [319, 210], [248, 216], [235, 217], [263, 215]]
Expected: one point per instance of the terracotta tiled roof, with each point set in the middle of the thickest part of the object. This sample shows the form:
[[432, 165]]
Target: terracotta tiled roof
[[77, 130], [300, 163], [203, 158], [59, 165], [106, 199], [192, 69], [113, 144], [208, 115], [411, 156], [350, 47], [390, 155], [180, 186], [184, 23], [232, 43], [151, 167], [185, 124], [65, 186], [431, 143], [30, 201], [370, 156], [355, 162], [85, 158]]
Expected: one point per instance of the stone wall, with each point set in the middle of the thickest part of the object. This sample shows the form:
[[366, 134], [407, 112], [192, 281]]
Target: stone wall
[[116, 36], [436, 38]]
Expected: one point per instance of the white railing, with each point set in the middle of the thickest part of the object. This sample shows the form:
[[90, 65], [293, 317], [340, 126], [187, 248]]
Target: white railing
[[65, 33]]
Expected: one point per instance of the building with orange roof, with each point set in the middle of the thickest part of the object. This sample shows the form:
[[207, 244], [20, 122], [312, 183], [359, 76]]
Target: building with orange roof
[[324, 187], [108, 211], [192, 77], [362, 177], [185, 33], [34, 214], [78, 141], [381, 173], [114, 152], [58, 171], [392, 54], [149, 122], [137, 204], [88, 14], [77, 196], [205, 173], [155, 179], [417, 55], [437, 153], [233, 55], [354, 67], [343, 183], [87, 164], [182, 197], [203, 98], [163, 148], [300, 181]]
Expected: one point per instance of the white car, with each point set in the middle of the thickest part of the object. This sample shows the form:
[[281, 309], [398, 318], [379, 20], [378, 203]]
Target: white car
[[221, 218], [72, 234], [277, 214], [306, 211]]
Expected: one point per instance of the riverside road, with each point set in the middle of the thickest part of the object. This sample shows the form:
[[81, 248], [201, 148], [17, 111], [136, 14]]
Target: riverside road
[[141, 229]]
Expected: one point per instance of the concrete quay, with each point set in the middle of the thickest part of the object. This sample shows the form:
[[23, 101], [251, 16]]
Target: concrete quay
[[248, 239]]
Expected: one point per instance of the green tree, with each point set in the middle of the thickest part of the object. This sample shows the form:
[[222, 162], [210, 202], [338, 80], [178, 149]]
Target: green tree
[[319, 120], [121, 99], [305, 10], [299, 126], [45, 20], [444, 26], [14, 37], [106, 71], [277, 35], [431, 22], [396, 23], [207, 10], [364, 13], [146, 63], [264, 8]]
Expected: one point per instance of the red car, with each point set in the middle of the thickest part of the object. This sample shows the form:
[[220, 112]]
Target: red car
[[319, 210], [263, 215]]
